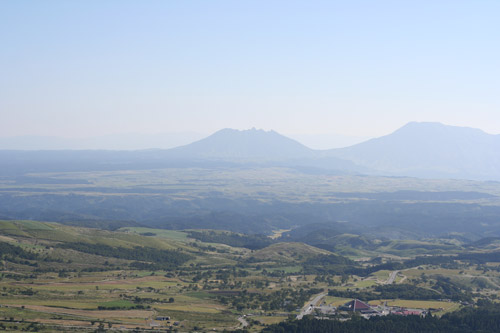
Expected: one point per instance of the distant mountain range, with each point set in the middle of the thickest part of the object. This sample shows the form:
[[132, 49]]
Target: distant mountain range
[[430, 150]]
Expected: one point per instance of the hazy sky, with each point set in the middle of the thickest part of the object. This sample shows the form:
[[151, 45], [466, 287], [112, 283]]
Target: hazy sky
[[361, 68]]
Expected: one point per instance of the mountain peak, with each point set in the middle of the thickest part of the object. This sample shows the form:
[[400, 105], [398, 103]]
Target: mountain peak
[[251, 144], [430, 149]]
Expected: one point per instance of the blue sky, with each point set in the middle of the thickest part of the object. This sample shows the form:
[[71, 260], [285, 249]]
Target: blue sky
[[360, 68]]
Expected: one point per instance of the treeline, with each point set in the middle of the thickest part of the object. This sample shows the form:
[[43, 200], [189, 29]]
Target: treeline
[[450, 290], [485, 318], [147, 266], [252, 242], [17, 255], [136, 307], [338, 265], [480, 258], [286, 299], [165, 258], [418, 261], [331, 265], [331, 259]]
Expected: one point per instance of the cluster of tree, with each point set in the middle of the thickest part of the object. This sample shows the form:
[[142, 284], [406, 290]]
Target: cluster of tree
[[418, 261], [480, 258], [252, 242], [338, 265], [331, 265], [147, 266], [14, 253], [100, 269], [446, 287], [208, 248], [286, 299], [332, 259], [18, 261], [222, 274], [17, 277], [140, 300], [20, 291], [485, 318], [32, 327], [166, 258], [116, 307]]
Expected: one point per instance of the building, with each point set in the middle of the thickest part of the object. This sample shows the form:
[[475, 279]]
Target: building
[[358, 306]]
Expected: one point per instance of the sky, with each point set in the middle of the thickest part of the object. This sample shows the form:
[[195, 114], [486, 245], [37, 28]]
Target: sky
[[91, 68]]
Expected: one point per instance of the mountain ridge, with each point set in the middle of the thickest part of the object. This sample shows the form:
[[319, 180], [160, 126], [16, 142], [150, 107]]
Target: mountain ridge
[[425, 150], [244, 145], [430, 150]]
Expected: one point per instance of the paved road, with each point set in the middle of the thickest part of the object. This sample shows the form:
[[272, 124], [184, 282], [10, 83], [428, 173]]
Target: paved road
[[243, 322], [307, 309], [392, 277]]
